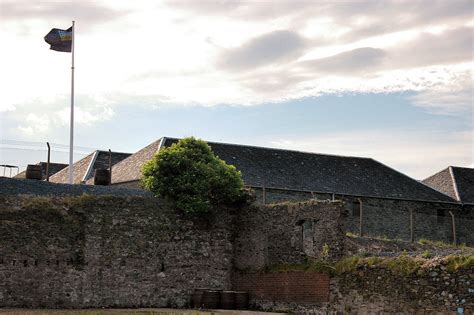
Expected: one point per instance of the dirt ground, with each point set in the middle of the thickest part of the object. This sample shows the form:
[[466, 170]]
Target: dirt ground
[[139, 311]]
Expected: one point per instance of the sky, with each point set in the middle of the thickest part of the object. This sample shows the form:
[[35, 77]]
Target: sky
[[390, 80]]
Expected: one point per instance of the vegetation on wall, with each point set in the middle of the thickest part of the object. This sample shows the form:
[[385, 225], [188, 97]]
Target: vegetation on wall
[[191, 176], [402, 265]]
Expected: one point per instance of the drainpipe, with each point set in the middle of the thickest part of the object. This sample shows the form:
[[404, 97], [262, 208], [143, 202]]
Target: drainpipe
[[361, 231], [453, 222], [110, 167], [47, 164]]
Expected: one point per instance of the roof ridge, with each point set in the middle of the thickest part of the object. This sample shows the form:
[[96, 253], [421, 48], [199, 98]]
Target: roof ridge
[[455, 185], [107, 151], [278, 149], [91, 165], [465, 167]]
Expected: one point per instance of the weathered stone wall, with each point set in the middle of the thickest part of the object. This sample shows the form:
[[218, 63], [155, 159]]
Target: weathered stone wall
[[108, 252], [15, 187], [287, 233], [130, 185], [368, 289], [385, 217], [391, 218], [372, 289]]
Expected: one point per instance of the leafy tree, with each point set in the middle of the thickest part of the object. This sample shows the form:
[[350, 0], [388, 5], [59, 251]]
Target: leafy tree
[[190, 175]]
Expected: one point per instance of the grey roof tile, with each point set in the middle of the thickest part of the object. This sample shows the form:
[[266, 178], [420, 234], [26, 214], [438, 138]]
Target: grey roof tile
[[81, 167], [464, 178], [300, 171], [454, 181]]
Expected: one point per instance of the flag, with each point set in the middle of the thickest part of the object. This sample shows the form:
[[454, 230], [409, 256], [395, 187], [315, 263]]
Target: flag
[[60, 40]]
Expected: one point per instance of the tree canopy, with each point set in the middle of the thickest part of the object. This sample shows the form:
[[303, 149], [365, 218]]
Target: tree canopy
[[190, 175]]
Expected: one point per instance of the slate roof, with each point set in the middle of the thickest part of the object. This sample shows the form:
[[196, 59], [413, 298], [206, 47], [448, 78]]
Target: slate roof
[[456, 182], [53, 169], [84, 168], [297, 170]]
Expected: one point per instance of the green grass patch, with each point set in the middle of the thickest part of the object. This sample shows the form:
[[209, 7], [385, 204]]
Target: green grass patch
[[404, 265], [459, 262], [347, 264]]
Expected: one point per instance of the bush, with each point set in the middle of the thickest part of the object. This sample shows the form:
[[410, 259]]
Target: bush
[[192, 177]]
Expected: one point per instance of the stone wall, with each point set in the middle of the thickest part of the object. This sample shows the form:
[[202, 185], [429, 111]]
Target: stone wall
[[390, 218], [15, 187], [108, 252], [287, 233], [369, 289], [374, 289]]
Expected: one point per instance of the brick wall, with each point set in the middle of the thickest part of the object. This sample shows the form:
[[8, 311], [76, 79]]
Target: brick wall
[[293, 287]]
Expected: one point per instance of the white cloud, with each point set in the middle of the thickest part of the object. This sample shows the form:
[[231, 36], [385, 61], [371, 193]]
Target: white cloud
[[452, 98], [288, 50], [46, 116], [35, 124]]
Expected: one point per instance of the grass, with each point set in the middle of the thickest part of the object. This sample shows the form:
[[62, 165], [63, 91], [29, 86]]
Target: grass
[[144, 311], [422, 241], [458, 262], [404, 265], [351, 235], [441, 244], [347, 264]]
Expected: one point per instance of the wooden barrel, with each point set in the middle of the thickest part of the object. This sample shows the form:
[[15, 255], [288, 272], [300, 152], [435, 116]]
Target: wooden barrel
[[34, 172], [241, 300], [211, 299], [228, 300], [101, 177], [196, 298]]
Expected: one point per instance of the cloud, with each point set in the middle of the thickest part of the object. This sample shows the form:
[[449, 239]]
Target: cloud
[[451, 46], [419, 153], [87, 12], [361, 19], [454, 98], [274, 47], [191, 53], [360, 60], [53, 114], [35, 124], [242, 9]]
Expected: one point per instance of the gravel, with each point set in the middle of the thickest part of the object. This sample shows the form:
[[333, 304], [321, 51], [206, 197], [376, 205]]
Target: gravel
[[13, 187]]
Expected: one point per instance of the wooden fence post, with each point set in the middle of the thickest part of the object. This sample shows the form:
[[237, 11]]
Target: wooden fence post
[[453, 221], [361, 230], [412, 233], [264, 195]]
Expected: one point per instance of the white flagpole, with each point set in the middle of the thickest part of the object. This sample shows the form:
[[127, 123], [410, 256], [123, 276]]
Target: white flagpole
[[71, 134]]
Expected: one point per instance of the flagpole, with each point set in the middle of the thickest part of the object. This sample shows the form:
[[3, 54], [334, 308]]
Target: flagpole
[[71, 133]]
